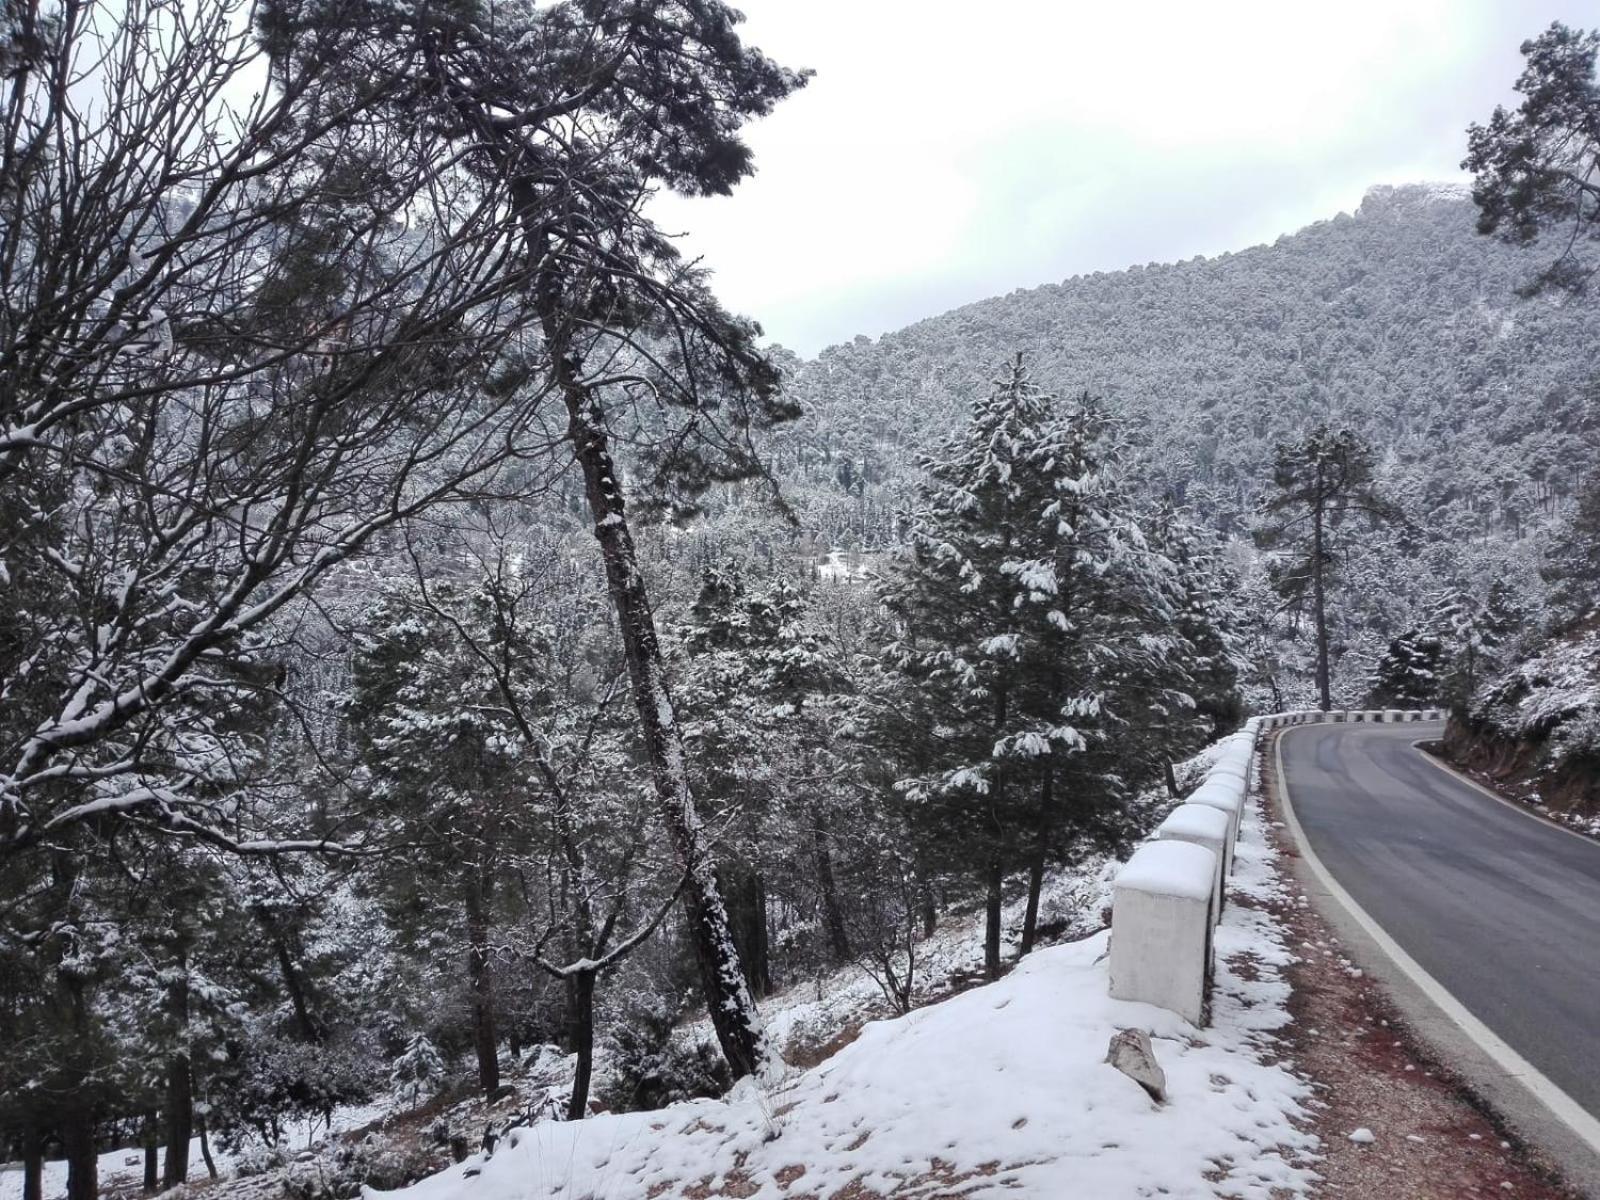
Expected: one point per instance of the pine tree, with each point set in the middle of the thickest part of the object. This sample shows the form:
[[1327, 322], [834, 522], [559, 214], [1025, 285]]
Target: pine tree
[[761, 693], [636, 99], [1535, 167], [1407, 676], [418, 1066], [1320, 481], [1210, 621], [1475, 636], [1036, 619], [445, 757]]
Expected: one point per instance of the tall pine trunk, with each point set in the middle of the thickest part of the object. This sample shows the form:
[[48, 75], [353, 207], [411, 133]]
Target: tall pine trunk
[[1036, 858], [1319, 603], [150, 1139], [77, 1122], [746, 894], [77, 1143], [992, 915], [722, 980], [32, 1162], [481, 980], [179, 1100], [580, 1022], [832, 913], [733, 1011]]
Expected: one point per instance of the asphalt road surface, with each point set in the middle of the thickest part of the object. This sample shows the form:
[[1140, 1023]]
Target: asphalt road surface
[[1501, 908]]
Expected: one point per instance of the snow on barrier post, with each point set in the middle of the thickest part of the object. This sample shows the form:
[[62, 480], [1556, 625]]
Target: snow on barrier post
[[1226, 795], [1161, 927], [1204, 826]]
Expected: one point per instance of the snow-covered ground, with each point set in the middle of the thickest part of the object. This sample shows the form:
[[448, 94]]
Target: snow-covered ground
[[119, 1169], [1001, 1090]]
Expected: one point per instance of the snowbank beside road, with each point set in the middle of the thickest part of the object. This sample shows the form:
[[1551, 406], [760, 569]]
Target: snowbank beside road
[[1002, 1088]]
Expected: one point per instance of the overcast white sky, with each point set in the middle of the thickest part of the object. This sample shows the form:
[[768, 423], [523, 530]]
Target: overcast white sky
[[947, 151]]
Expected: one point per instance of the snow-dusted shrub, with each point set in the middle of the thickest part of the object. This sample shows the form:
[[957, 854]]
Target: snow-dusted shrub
[[651, 1068], [373, 1162], [257, 1159], [277, 1080]]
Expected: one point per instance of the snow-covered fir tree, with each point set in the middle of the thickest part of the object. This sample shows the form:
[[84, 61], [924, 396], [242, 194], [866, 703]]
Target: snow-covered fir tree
[[1036, 622]]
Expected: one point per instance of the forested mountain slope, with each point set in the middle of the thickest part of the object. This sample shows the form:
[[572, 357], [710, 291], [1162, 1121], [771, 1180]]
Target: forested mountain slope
[[1399, 321]]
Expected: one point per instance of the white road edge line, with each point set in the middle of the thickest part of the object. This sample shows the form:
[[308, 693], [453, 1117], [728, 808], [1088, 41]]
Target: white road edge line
[[1562, 1106], [1524, 809]]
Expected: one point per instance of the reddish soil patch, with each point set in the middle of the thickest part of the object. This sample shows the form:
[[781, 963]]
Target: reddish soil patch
[[1434, 1140]]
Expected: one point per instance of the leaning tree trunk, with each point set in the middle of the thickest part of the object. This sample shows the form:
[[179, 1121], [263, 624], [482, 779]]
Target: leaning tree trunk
[[732, 1009], [205, 1148], [481, 980], [728, 999]]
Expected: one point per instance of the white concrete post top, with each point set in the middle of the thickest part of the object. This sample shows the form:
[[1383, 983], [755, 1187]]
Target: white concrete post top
[[1204, 826], [1225, 793], [1188, 822], [1181, 870]]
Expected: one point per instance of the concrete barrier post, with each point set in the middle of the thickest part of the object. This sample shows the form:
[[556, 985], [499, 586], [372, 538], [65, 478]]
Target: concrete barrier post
[[1204, 826], [1226, 794], [1161, 927]]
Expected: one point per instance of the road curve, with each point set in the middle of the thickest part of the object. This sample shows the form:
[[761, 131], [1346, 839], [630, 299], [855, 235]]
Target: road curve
[[1500, 908]]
